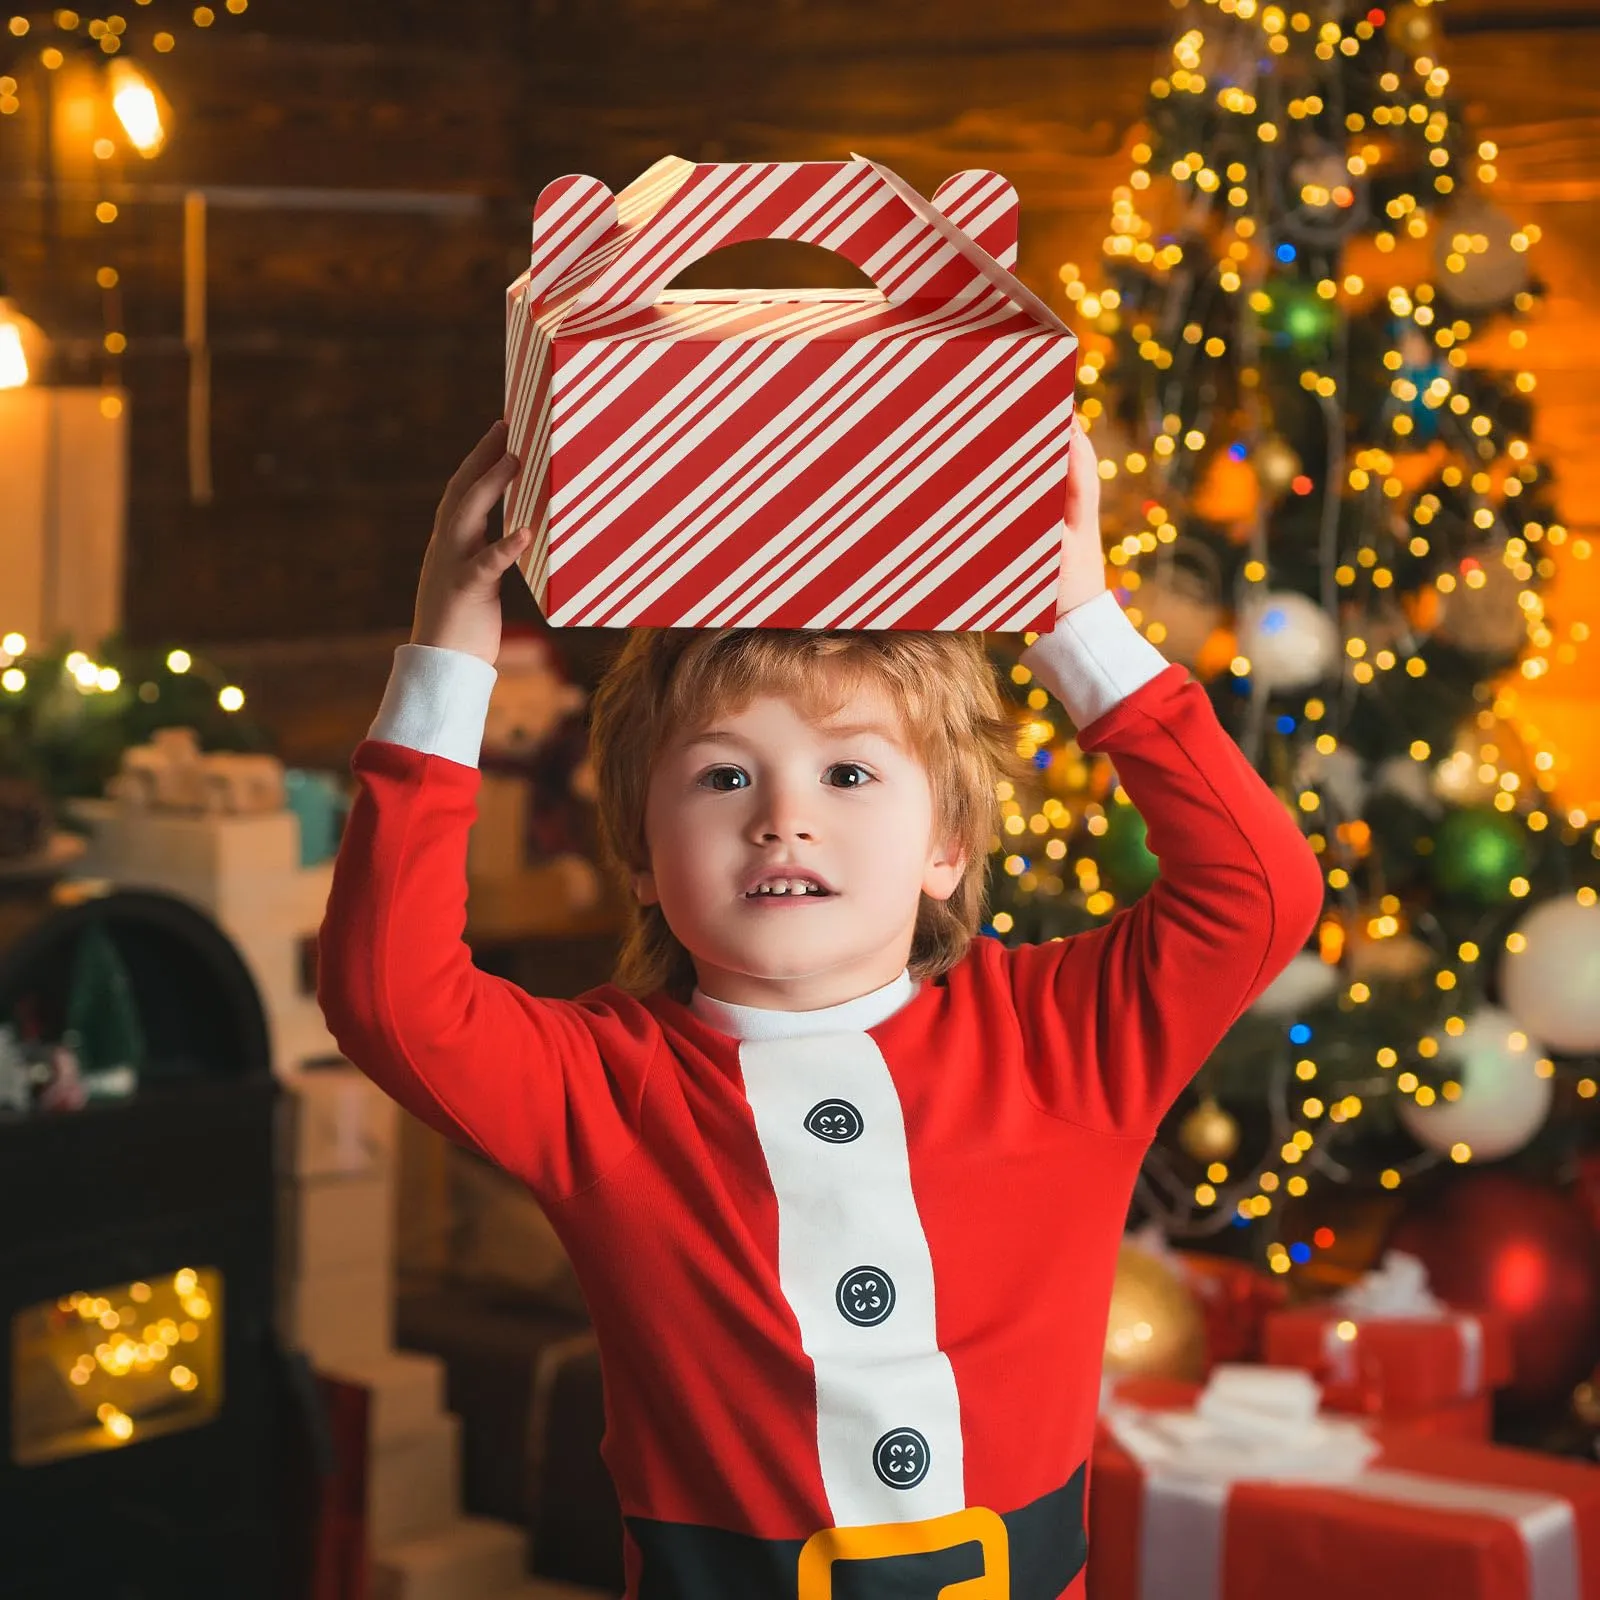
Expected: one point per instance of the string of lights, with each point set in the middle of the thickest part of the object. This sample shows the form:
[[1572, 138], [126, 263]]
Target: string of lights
[[19, 665], [92, 80]]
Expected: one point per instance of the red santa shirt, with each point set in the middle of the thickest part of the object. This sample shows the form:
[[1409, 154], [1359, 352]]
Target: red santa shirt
[[849, 1269]]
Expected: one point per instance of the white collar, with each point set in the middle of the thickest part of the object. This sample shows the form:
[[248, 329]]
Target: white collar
[[849, 1016]]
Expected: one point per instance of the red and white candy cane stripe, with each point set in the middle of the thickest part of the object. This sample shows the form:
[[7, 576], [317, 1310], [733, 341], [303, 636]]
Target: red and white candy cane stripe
[[985, 207], [766, 463], [841, 459]]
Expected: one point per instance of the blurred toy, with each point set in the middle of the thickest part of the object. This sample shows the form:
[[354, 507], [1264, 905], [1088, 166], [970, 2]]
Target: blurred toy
[[534, 804], [39, 1077]]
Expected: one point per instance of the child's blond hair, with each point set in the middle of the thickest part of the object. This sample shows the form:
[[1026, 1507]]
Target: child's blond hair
[[668, 681]]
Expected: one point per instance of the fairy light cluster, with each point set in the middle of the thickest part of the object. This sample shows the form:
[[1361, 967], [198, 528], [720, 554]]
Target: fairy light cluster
[[138, 1360], [135, 1347], [91, 677], [124, 45], [1426, 364]]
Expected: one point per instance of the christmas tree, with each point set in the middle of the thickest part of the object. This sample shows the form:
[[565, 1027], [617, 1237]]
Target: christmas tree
[[102, 1020], [1323, 496]]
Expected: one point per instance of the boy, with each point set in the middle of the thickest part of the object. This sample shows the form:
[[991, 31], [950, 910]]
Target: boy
[[843, 1183]]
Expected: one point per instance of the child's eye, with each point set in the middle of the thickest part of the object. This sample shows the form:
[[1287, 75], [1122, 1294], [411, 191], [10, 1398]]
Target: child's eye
[[708, 778], [855, 766]]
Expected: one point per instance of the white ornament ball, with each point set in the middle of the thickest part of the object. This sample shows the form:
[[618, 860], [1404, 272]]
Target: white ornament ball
[[1503, 1100], [1552, 984], [1412, 780], [1291, 642], [1306, 980], [1340, 774], [1476, 262]]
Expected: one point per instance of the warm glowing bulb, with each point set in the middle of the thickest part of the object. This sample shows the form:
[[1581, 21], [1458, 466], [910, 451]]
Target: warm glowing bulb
[[134, 100], [13, 360], [179, 661]]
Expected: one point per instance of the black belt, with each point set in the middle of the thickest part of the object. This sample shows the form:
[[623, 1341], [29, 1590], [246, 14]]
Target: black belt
[[1046, 1549]]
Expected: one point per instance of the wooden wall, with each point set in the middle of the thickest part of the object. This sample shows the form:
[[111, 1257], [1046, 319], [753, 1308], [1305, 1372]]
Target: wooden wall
[[371, 168]]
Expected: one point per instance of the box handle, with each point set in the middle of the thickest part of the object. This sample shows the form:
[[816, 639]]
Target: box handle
[[679, 211]]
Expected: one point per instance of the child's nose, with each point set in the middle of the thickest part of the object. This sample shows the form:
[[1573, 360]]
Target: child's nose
[[784, 816]]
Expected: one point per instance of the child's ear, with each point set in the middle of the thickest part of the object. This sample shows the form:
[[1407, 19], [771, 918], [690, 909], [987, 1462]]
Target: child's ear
[[944, 872], [644, 888]]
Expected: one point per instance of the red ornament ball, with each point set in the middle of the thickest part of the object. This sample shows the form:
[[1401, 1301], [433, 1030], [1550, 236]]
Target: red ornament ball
[[1495, 1242]]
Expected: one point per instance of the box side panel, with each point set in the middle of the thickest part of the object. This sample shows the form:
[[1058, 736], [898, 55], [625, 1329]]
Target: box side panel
[[911, 483]]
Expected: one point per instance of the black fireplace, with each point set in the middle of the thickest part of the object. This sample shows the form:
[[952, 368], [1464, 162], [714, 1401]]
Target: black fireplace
[[143, 1409]]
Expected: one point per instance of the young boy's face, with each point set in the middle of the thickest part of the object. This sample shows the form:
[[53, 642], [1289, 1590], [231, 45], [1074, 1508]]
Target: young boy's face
[[765, 789]]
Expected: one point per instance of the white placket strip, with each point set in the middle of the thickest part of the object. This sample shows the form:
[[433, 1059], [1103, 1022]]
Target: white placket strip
[[855, 1267]]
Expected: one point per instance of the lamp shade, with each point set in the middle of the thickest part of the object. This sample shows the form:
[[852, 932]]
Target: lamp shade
[[63, 474]]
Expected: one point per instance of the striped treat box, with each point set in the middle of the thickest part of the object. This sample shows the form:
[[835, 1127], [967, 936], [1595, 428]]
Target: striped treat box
[[892, 457]]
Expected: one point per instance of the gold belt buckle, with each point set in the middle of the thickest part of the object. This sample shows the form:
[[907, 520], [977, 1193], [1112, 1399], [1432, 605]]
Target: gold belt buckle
[[863, 1543]]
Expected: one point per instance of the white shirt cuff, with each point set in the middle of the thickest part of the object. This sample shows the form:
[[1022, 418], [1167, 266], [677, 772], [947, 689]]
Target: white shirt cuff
[[436, 702], [1094, 658]]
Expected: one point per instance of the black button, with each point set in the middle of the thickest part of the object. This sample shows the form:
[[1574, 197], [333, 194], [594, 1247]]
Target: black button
[[901, 1458], [836, 1121], [865, 1296]]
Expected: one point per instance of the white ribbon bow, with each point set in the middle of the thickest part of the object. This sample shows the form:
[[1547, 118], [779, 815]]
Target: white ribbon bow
[[1251, 1422], [1396, 1288]]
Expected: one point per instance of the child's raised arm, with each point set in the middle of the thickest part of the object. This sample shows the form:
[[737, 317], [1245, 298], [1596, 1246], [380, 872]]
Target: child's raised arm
[[548, 1089], [1119, 1019]]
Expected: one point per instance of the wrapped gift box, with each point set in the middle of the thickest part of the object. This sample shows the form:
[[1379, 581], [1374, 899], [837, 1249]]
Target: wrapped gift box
[[1236, 1298], [1387, 1348], [892, 457], [1424, 1516], [1470, 1418], [1392, 1364]]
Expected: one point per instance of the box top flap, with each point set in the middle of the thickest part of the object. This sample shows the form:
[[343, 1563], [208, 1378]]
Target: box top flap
[[830, 316], [597, 255]]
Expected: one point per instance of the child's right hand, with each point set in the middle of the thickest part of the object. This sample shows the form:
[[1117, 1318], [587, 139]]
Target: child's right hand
[[458, 594]]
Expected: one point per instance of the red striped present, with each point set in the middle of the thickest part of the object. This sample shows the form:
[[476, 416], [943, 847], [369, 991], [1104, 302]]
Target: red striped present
[[891, 457]]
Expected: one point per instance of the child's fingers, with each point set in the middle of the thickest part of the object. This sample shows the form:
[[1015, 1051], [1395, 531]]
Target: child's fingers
[[494, 559], [489, 449], [466, 525], [1083, 482]]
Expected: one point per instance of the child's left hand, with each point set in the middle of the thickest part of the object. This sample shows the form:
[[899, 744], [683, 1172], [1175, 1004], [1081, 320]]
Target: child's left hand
[[1083, 562]]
